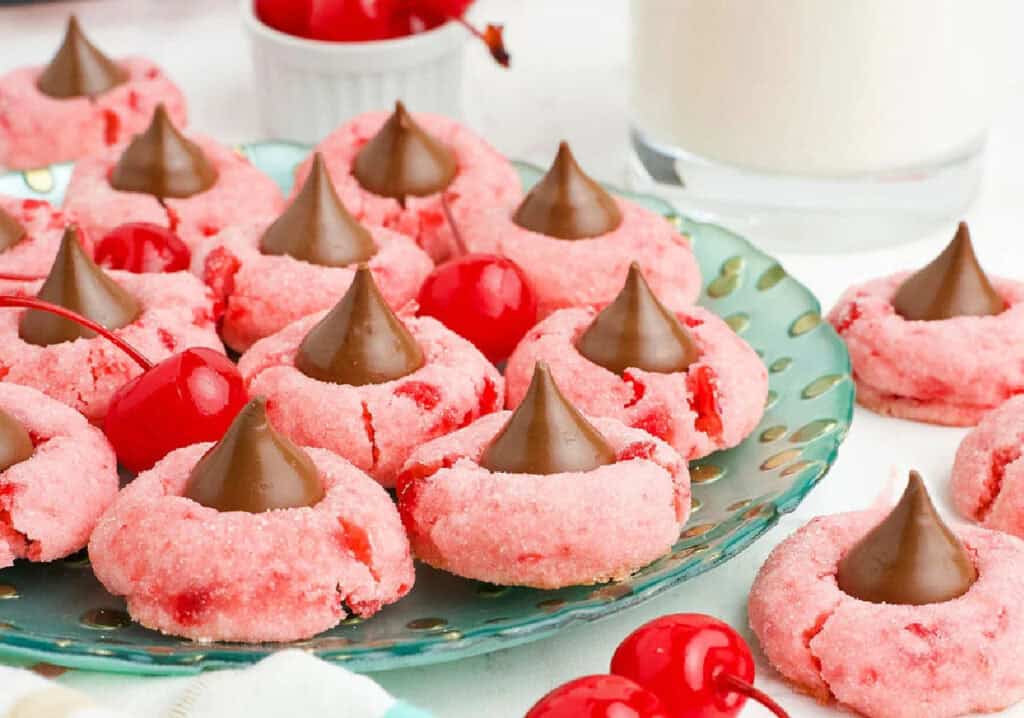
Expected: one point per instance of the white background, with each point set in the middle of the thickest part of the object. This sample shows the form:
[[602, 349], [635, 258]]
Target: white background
[[568, 82]]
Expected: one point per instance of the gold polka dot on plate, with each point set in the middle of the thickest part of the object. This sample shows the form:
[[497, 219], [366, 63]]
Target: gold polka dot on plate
[[39, 180], [804, 323], [821, 385], [772, 433], [777, 460], [706, 473], [7, 591], [813, 430], [426, 624], [104, 619], [698, 530], [770, 277], [551, 605]]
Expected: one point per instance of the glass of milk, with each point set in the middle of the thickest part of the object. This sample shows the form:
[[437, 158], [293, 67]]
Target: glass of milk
[[816, 124]]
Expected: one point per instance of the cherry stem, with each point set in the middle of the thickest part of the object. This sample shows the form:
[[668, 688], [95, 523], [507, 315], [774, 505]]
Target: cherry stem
[[34, 303], [728, 682], [491, 38], [456, 234]]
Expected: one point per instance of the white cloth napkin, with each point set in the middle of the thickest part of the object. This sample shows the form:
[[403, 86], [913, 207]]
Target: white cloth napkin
[[288, 683]]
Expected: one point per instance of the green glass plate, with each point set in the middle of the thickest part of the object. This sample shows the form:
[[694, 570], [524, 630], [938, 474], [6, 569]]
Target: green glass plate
[[58, 613]]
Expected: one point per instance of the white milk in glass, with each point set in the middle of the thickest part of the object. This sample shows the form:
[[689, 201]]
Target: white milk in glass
[[819, 123]]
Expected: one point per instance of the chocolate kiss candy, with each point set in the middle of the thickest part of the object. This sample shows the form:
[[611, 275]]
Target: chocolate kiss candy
[[76, 283], [568, 204], [254, 468], [11, 231], [546, 435], [402, 159], [15, 444], [953, 285], [79, 69], [317, 228], [636, 330], [360, 341], [163, 162], [910, 558]]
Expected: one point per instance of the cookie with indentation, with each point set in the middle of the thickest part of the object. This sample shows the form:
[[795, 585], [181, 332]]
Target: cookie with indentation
[[58, 474], [683, 376], [272, 272], [903, 332], [197, 191], [251, 539], [368, 384], [404, 170], [80, 103], [894, 614], [576, 242], [544, 496]]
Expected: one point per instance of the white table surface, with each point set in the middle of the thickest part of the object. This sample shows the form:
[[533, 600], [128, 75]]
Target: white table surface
[[568, 82]]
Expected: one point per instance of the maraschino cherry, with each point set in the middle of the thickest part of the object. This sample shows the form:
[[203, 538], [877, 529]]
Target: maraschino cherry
[[485, 298], [189, 397], [142, 247], [599, 696], [360, 21], [699, 666]]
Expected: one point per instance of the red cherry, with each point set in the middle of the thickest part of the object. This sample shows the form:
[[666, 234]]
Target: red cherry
[[189, 397], [485, 298], [290, 16], [699, 666], [185, 399], [599, 696], [142, 247], [350, 20]]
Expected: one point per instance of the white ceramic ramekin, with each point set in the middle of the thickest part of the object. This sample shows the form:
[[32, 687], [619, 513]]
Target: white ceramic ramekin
[[306, 88]]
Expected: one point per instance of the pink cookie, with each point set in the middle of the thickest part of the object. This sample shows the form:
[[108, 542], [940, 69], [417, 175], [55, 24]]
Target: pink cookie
[[590, 272], [177, 313], [38, 130], [885, 660], [988, 475], [375, 426], [283, 575], [264, 293], [50, 502], [484, 179], [711, 406], [543, 531], [240, 193], [44, 227], [950, 371]]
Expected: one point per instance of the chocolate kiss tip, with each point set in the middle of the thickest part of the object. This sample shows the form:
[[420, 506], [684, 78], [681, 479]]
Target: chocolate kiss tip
[[952, 285], [79, 69], [637, 331], [15, 443], [546, 435], [254, 468], [360, 341], [11, 231], [316, 227], [404, 160], [567, 204], [76, 283], [163, 162], [910, 558]]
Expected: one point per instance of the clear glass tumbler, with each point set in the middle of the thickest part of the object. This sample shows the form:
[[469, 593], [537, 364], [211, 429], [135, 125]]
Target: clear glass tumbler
[[816, 125]]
